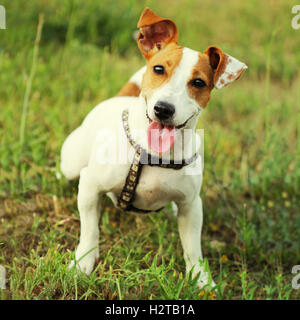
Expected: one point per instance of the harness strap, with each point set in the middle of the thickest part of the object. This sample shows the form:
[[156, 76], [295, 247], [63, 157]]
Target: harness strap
[[128, 191]]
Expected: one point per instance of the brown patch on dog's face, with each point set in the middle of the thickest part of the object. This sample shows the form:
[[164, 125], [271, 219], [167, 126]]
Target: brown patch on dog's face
[[169, 58], [203, 71]]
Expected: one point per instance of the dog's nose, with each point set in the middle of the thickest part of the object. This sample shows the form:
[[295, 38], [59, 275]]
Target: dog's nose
[[164, 110]]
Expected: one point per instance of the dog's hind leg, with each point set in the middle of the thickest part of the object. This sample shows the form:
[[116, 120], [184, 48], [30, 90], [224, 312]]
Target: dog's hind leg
[[74, 155], [190, 218]]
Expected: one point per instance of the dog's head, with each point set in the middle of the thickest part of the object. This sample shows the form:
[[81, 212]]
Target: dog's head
[[178, 81]]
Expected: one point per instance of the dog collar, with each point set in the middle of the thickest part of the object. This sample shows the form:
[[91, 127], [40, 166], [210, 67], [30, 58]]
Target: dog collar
[[141, 158]]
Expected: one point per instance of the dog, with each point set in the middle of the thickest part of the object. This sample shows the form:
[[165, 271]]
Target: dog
[[147, 120]]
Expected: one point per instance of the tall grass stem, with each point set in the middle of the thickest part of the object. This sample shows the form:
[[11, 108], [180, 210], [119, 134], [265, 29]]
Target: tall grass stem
[[29, 81]]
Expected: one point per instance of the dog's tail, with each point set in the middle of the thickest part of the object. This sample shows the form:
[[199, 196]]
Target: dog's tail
[[74, 154], [133, 87]]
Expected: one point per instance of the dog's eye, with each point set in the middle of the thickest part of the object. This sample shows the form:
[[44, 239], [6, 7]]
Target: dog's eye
[[159, 69], [198, 83]]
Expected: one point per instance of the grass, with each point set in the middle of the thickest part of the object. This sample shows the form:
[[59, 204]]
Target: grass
[[252, 151]]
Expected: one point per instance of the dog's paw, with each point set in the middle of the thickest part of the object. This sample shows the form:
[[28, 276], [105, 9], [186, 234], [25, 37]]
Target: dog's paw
[[85, 260], [204, 280], [204, 283]]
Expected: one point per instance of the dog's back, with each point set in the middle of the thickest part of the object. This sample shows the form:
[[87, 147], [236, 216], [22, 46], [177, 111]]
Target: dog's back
[[133, 87], [73, 159]]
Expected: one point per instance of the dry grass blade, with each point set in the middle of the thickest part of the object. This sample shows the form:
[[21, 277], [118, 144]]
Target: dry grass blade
[[30, 79]]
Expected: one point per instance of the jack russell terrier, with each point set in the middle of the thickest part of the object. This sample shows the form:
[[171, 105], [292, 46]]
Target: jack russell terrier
[[147, 121]]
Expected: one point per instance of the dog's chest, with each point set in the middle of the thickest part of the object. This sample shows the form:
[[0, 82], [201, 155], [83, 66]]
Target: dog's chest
[[157, 187], [157, 184]]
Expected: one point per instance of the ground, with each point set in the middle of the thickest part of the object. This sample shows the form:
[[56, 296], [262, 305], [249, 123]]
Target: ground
[[252, 151]]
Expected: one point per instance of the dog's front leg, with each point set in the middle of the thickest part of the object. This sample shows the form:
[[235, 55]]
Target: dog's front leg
[[89, 209], [190, 216]]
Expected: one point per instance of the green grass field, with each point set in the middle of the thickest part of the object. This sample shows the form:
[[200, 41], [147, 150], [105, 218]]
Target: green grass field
[[251, 234]]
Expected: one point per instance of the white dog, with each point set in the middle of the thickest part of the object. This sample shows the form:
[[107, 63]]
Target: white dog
[[159, 103]]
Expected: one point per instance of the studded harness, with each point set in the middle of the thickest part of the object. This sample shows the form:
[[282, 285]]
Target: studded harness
[[141, 158]]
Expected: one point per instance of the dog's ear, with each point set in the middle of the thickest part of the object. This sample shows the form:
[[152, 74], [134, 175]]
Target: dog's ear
[[226, 68], [155, 33]]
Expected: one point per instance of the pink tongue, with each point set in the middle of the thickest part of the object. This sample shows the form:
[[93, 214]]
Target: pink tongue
[[160, 139]]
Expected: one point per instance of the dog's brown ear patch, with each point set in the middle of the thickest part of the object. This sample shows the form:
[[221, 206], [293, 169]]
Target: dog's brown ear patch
[[226, 68], [155, 33]]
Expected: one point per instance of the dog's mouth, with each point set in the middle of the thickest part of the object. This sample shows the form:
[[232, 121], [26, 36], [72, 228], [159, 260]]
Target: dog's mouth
[[161, 137], [169, 125]]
